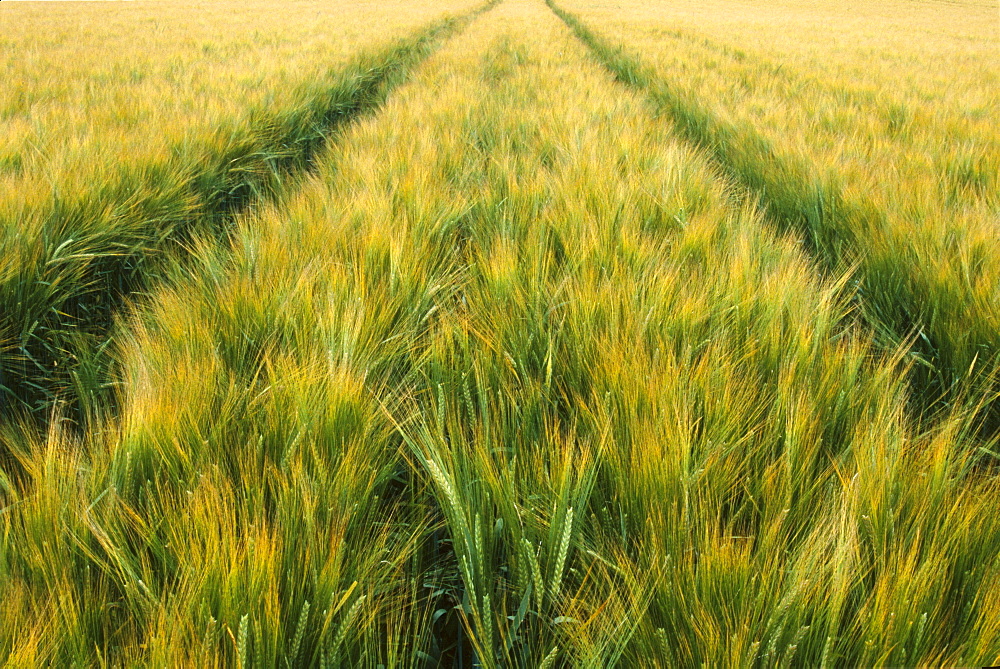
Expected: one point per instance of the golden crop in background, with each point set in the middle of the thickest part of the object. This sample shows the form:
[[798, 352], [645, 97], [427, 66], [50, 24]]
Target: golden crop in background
[[90, 87], [869, 127], [134, 128], [890, 95]]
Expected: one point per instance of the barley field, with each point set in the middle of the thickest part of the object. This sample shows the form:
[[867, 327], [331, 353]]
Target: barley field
[[534, 333]]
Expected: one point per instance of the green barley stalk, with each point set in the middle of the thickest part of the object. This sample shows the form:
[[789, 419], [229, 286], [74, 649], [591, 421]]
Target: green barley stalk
[[208, 642], [661, 634], [449, 491], [536, 572], [563, 552], [487, 622], [479, 539], [550, 659], [300, 630], [826, 652], [345, 626], [241, 644]]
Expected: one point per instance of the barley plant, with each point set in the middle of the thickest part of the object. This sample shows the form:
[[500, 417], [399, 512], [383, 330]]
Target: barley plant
[[518, 334]]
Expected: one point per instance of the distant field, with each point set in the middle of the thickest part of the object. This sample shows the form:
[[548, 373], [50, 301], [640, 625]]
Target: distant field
[[129, 127], [579, 334], [870, 127], [92, 87]]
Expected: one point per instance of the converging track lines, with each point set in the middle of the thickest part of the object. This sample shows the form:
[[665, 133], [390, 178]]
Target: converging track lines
[[930, 305], [73, 263], [554, 360]]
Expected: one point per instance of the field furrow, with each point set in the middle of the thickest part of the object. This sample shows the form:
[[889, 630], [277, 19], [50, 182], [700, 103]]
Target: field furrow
[[905, 199], [523, 372], [71, 255]]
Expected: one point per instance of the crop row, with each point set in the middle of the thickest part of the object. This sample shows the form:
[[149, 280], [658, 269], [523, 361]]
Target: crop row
[[68, 264], [516, 378], [906, 202]]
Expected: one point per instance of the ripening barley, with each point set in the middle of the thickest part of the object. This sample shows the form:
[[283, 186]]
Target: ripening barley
[[513, 335]]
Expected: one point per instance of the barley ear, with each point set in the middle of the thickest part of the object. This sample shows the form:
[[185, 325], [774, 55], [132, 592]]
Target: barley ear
[[300, 631], [550, 659], [242, 638]]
